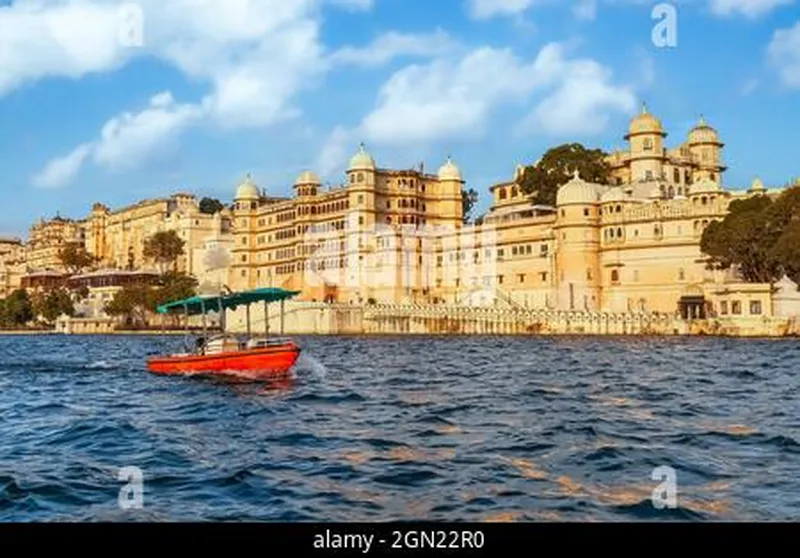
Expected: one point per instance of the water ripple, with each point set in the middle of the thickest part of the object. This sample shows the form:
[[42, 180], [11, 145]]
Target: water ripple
[[397, 428]]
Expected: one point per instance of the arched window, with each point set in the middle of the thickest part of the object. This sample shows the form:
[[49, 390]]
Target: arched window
[[502, 193], [619, 233], [361, 177], [618, 209], [704, 200]]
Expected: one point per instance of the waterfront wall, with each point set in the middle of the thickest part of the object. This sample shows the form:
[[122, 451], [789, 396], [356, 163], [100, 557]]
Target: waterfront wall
[[310, 318]]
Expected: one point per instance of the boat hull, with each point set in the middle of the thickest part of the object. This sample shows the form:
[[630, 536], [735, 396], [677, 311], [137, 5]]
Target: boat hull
[[257, 362]]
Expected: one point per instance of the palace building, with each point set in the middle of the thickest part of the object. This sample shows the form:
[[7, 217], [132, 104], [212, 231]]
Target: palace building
[[117, 237], [397, 236]]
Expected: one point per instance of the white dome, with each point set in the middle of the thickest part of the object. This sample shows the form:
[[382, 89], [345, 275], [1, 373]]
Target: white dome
[[307, 177], [757, 186], [577, 191], [361, 160], [449, 171], [247, 190]]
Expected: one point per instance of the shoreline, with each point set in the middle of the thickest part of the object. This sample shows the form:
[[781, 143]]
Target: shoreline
[[175, 333]]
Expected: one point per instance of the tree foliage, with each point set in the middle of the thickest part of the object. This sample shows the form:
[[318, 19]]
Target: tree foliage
[[136, 303], [164, 248], [211, 206], [74, 257], [469, 199], [759, 238], [557, 166], [53, 303], [16, 310]]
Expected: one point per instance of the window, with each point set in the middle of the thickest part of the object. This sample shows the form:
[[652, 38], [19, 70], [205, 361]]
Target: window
[[723, 307], [521, 277], [588, 274], [502, 193], [388, 204], [635, 274], [681, 275], [755, 307], [736, 307], [677, 175], [619, 233], [563, 213], [586, 212], [614, 276], [543, 276], [361, 177], [648, 175], [360, 220], [648, 144], [618, 209]]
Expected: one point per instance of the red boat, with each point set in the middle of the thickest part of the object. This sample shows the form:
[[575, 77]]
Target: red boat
[[248, 356]]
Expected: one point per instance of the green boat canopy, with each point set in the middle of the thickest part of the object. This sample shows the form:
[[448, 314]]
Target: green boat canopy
[[203, 304]]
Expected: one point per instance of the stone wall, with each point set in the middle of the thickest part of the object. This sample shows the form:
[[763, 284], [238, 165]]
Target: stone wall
[[308, 318]]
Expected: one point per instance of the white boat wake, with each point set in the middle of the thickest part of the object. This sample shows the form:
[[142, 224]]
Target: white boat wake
[[309, 365]]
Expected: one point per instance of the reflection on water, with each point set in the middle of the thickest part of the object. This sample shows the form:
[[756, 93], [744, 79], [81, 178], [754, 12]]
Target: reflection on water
[[464, 428]]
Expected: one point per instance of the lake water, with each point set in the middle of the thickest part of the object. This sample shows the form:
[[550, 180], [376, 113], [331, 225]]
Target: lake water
[[397, 428]]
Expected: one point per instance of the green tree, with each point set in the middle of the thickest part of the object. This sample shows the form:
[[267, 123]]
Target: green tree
[[211, 206], [758, 238], [74, 257], [164, 248], [17, 309], [557, 166], [53, 303], [469, 199], [133, 303]]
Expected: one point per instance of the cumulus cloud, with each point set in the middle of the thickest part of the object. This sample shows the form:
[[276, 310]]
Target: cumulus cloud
[[453, 99], [392, 45], [784, 55], [485, 9], [125, 140]]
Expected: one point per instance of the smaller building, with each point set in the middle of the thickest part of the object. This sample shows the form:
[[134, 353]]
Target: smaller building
[[102, 285]]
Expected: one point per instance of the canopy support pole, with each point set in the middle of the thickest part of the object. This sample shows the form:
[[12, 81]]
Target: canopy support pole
[[247, 314], [203, 313], [282, 316], [266, 319], [222, 323]]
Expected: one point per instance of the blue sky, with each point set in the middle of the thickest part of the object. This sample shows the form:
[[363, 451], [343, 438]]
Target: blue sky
[[219, 88]]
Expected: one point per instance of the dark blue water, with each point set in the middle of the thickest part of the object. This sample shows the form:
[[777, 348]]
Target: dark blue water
[[460, 428]]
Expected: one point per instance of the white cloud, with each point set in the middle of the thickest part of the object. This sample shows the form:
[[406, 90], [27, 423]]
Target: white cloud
[[333, 155], [485, 9], [581, 104], [391, 45], [585, 10], [125, 140], [454, 99], [62, 170], [784, 55], [748, 8], [254, 55]]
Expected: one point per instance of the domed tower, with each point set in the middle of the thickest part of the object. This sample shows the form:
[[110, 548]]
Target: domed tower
[[577, 230], [706, 150], [361, 179], [646, 140], [451, 206], [245, 208]]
